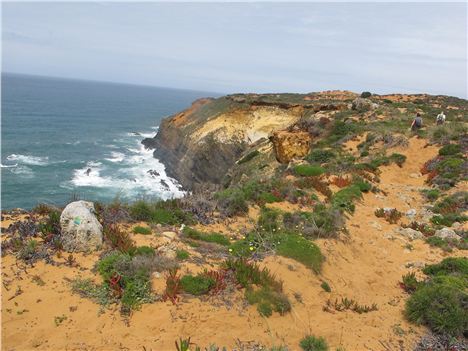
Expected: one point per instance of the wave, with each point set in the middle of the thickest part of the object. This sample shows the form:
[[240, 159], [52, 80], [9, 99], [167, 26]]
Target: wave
[[116, 157], [23, 171], [138, 173], [28, 160], [8, 166]]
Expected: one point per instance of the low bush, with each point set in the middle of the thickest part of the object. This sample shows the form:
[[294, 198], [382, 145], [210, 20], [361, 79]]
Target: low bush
[[448, 219], [409, 282], [320, 156], [163, 212], [261, 287], [440, 302], [182, 255], [308, 170], [300, 249], [268, 219], [142, 230], [117, 238], [431, 194], [215, 238], [312, 343], [344, 199], [196, 285], [232, 202], [454, 203], [325, 286], [248, 157], [450, 149], [366, 94]]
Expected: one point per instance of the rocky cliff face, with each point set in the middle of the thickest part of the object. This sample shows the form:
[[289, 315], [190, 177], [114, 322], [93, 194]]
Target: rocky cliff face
[[200, 144]]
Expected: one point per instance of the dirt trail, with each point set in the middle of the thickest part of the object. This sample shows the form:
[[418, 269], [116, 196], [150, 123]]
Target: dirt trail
[[366, 266]]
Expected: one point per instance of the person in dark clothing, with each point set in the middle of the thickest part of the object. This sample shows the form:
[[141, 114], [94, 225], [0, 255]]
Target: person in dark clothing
[[417, 122]]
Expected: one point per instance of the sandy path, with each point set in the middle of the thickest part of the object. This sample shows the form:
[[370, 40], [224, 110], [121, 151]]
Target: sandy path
[[365, 266]]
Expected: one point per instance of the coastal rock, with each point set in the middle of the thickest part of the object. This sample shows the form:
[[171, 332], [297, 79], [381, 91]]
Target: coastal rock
[[169, 235], [289, 145], [363, 105], [447, 233], [409, 233], [81, 231], [411, 213], [202, 143]]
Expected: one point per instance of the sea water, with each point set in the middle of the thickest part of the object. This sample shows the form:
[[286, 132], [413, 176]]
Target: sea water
[[64, 138]]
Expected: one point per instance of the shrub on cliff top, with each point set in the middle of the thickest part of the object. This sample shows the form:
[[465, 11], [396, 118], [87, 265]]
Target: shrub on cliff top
[[308, 170], [232, 202], [312, 343], [197, 285], [440, 302]]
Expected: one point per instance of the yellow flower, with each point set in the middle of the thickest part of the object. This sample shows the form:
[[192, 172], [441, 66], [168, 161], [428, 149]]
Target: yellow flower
[[251, 248], [230, 250]]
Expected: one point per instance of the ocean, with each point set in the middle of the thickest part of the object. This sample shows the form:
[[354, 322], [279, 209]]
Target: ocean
[[63, 138]]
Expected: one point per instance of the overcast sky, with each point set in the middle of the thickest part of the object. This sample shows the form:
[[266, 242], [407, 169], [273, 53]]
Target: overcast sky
[[244, 47]]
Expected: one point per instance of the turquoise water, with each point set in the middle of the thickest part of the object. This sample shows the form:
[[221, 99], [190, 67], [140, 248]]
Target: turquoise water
[[55, 130]]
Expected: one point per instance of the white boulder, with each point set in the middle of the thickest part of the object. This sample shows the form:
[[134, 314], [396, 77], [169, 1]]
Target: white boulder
[[81, 231]]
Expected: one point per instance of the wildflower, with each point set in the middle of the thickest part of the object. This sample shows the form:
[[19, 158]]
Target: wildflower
[[230, 250], [251, 248]]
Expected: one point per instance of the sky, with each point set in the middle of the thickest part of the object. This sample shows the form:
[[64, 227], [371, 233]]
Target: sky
[[244, 47]]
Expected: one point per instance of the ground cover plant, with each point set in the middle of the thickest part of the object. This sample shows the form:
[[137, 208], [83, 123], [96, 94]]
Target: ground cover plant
[[261, 287], [440, 301]]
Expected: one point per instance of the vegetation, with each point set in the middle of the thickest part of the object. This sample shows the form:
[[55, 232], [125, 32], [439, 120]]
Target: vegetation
[[261, 287], [197, 285], [215, 238], [163, 212], [312, 343], [308, 170], [248, 157], [440, 301], [142, 230], [182, 255], [325, 286]]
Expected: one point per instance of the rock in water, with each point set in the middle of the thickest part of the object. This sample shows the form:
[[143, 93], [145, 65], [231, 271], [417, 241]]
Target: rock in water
[[81, 231], [290, 145]]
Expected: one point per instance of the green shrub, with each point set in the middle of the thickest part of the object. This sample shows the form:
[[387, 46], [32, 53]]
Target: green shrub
[[264, 309], [449, 266], [454, 203], [232, 202], [325, 286], [342, 129], [216, 238], [441, 307], [323, 222], [301, 250], [312, 343], [163, 212], [182, 255], [440, 302], [448, 219], [320, 156], [268, 219], [197, 285], [409, 282], [308, 170], [366, 94], [142, 230], [344, 199], [142, 250], [431, 194], [140, 211], [450, 149], [268, 198], [399, 159], [248, 157]]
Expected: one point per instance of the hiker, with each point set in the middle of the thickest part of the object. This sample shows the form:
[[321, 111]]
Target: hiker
[[440, 118], [417, 122]]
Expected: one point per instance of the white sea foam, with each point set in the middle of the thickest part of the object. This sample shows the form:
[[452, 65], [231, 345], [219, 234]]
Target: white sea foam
[[23, 171], [28, 160], [116, 157], [8, 166], [139, 173]]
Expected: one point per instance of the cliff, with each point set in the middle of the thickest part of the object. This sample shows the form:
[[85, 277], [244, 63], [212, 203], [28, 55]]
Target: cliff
[[202, 143]]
